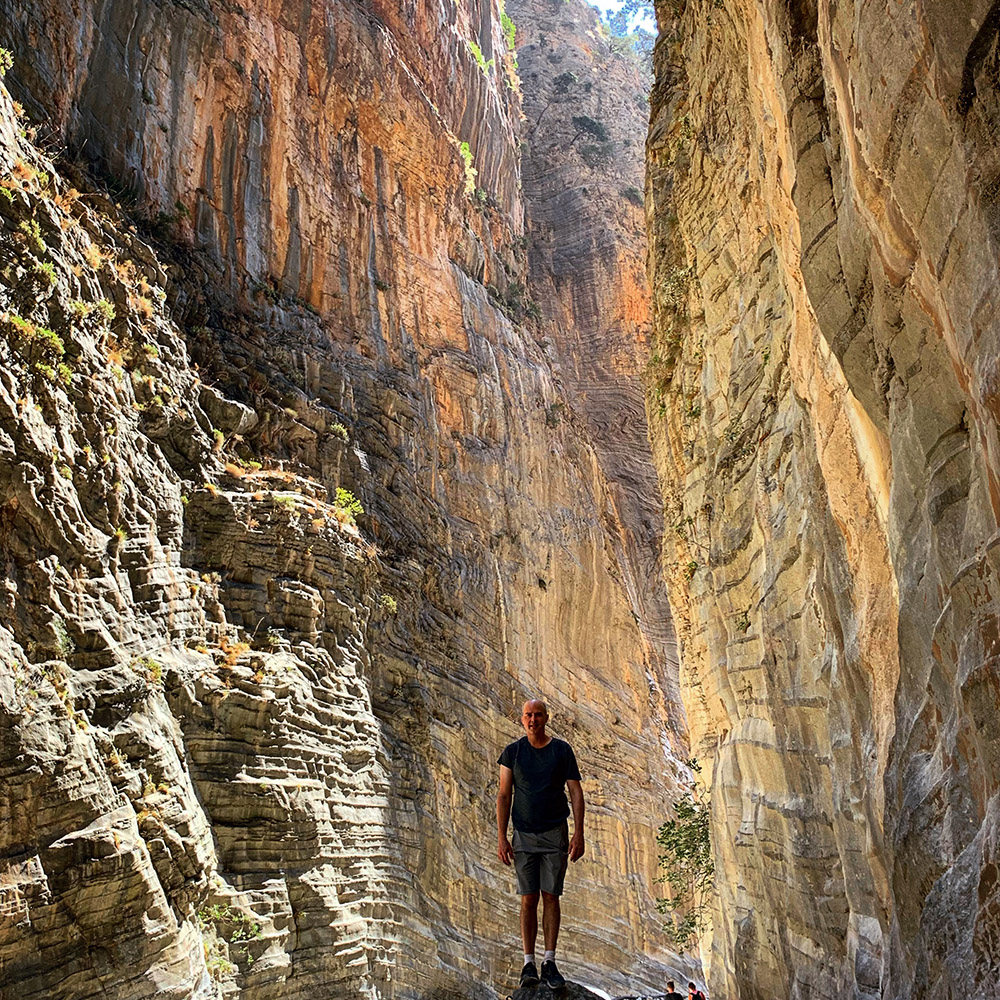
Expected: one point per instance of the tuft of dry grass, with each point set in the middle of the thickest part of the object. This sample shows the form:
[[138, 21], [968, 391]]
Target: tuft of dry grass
[[343, 517], [233, 650], [142, 306], [93, 256], [65, 200]]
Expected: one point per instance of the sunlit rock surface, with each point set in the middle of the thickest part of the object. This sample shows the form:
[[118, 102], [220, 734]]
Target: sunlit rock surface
[[825, 359], [249, 747]]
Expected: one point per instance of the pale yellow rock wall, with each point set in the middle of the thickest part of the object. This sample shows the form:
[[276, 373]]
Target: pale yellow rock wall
[[825, 358]]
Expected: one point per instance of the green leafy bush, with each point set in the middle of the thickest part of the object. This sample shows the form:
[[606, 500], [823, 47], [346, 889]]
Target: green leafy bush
[[509, 29], [32, 234], [46, 273], [686, 862], [64, 642], [470, 170], [348, 504], [477, 53]]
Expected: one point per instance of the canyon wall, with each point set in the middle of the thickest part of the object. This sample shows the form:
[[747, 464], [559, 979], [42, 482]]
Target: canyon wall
[[823, 391], [586, 107], [249, 737]]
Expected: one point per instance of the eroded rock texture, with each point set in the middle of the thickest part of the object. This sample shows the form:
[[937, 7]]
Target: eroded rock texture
[[248, 746], [586, 106], [825, 361]]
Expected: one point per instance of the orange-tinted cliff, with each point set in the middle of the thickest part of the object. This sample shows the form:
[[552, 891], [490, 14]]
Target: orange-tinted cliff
[[249, 745]]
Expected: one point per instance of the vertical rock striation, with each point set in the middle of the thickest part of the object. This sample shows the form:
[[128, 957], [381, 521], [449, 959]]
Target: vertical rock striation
[[269, 734], [824, 272], [586, 108]]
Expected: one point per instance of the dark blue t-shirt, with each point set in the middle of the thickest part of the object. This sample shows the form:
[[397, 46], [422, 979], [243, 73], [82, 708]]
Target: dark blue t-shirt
[[540, 776]]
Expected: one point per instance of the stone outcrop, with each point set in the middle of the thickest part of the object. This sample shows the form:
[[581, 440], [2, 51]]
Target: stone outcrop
[[249, 735], [823, 382]]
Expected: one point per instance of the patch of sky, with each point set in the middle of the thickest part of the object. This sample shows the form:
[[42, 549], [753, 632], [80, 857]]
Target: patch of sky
[[628, 15], [632, 22]]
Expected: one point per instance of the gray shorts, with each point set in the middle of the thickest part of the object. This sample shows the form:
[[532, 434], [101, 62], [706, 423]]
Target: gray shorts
[[540, 860]]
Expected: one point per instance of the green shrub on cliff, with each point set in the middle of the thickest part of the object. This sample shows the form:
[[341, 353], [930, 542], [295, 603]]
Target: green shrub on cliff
[[510, 57], [477, 54], [64, 642], [45, 272], [686, 861], [470, 171], [347, 505], [32, 339], [31, 233], [509, 28], [6, 62]]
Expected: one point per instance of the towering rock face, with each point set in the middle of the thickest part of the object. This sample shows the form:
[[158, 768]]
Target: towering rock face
[[823, 188], [258, 736], [586, 107]]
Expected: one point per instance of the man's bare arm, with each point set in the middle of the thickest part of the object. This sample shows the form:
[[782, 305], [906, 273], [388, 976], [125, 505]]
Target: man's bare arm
[[504, 798], [576, 845]]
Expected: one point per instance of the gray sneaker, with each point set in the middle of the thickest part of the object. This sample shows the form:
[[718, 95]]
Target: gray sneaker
[[551, 977], [529, 975]]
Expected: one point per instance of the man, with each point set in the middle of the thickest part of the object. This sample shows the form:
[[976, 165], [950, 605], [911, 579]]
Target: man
[[533, 771], [672, 993], [694, 993]]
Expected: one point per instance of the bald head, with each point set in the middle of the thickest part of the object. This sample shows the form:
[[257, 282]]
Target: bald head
[[534, 715]]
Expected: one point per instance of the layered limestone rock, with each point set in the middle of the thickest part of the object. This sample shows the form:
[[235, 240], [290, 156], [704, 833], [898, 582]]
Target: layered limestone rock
[[825, 359], [265, 733], [195, 788], [586, 108]]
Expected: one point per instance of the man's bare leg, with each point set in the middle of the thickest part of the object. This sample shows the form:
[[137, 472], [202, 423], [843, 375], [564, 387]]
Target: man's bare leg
[[529, 922], [551, 915]]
